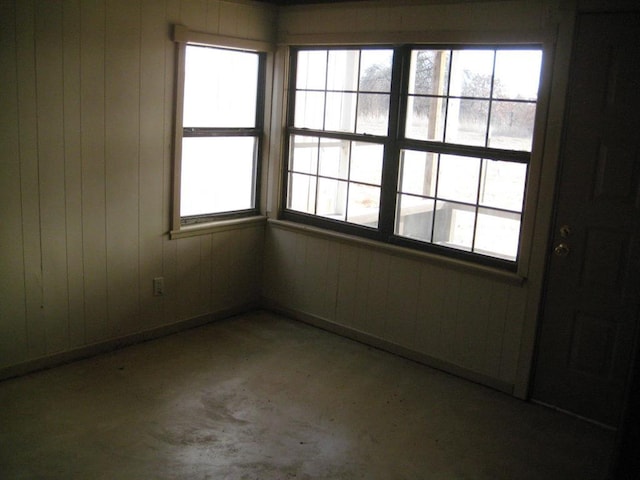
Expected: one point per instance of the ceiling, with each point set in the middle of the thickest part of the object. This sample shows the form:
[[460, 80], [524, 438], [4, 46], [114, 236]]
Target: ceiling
[[303, 2]]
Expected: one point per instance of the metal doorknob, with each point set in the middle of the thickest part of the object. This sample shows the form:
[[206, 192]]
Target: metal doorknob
[[561, 250]]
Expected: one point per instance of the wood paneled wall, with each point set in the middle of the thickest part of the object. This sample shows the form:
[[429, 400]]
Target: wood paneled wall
[[462, 321], [86, 112], [458, 319]]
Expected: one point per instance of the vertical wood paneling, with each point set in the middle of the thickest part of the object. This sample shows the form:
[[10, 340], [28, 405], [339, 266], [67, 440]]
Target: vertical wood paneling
[[193, 14], [251, 261], [495, 328], [153, 34], [471, 320], [377, 295], [169, 247], [29, 177], [235, 245], [361, 310], [331, 290], [92, 110], [228, 24], [13, 339], [468, 320], [402, 299], [316, 262], [212, 20], [512, 333], [51, 165], [73, 169], [188, 281], [122, 97], [273, 283], [87, 113], [221, 266], [346, 285], [204, 302]]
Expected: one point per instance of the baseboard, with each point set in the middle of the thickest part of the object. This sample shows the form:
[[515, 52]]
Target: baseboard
[[61, 358], [382, 344], [87, 351]]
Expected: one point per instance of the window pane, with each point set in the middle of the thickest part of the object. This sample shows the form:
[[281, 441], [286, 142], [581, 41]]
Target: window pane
[[217, 174], [341, 112], [458, 178], [332, 198], [497, 233], [302, 193], [511, 125], [375, 70], [220, 88], [418, 172], [309, 110], [366, 162], [429, 72], [364, 204], [425, 118], [453, 225], [503, 184], [467, 121], [334, 158], [373, 113], [343, 70], [517, 74], [304, 154], [311, 71], [471, 73], [414, 217]]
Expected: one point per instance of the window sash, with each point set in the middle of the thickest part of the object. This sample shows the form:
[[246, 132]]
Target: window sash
[[397, 141], [182, 133]]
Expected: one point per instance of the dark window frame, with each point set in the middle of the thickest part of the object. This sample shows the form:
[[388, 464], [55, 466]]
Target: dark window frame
[[257, 132], [394, 143]]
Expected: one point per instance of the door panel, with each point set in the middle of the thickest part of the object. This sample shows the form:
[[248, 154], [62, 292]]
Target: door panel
[[590, 310]]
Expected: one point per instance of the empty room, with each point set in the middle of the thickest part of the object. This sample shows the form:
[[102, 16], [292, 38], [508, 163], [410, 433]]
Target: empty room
[[319, 239]]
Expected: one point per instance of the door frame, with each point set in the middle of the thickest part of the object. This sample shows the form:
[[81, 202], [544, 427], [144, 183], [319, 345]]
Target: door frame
[[625, 462]]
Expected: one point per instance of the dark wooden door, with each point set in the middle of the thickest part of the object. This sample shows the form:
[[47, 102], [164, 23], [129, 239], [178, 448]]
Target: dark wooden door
[[591, 304]]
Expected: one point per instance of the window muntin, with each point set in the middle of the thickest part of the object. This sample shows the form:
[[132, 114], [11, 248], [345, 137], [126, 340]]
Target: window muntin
[[476, 97], [343, 90], [335, 178], [222, 123], [454, 139], [466, 203]]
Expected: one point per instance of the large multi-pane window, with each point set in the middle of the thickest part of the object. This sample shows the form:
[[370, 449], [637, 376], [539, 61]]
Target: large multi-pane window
[[222, 113], [423, 147]]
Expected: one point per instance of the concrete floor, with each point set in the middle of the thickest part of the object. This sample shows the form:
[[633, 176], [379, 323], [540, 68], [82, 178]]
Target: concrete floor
[[263, 397]]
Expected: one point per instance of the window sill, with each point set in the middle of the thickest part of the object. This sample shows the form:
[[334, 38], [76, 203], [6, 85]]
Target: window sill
[[215, 227], [447, 262]]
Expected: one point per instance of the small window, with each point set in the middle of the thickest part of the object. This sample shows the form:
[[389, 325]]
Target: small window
[[423, 147], [220, 138]]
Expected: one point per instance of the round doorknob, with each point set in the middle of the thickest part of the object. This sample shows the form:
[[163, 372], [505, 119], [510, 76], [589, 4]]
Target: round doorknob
[[561, 250]]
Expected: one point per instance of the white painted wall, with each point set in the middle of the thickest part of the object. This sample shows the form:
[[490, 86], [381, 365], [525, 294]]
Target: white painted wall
[[86, 112]]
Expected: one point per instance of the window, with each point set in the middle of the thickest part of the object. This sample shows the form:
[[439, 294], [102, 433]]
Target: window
[[422, 147], [218, 144]]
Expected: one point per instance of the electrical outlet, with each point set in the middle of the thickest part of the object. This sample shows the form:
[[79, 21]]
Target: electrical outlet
[[158, 286]]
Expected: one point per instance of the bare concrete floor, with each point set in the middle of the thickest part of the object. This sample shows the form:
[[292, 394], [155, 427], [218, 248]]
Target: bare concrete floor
[[263, 397]]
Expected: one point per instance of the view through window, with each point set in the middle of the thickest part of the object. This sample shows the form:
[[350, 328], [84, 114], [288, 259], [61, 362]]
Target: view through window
[[439, 160], [222, 118]]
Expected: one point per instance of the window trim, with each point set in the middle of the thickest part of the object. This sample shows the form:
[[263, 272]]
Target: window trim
[[542, 40], [202, 224]]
